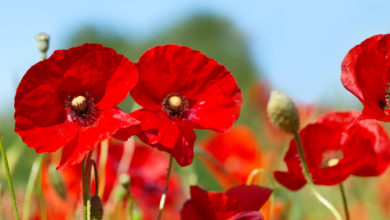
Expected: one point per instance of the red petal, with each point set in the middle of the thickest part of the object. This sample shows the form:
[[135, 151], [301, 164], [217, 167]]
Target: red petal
[[48, 139], [252, 197], [366, 72], [213, 94], [190, 212], [251, 215], [88, 137], [157, 130], [290, 180]]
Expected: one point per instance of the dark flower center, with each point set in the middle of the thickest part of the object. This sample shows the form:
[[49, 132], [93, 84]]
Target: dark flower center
[[175, 105], [385, 105], [331, 158], [82, 110]]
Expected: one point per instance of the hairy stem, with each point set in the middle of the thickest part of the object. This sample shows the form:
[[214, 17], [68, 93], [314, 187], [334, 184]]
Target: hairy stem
[[163, 196], [9, 179], [310, 181], [344, 198]]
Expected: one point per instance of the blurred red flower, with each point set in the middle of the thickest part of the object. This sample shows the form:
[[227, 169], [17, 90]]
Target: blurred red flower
[[236, 154], [181, 89], [147, 169], [69, 100], [240, 202], [332, 155], [365, 73], [69, 200]]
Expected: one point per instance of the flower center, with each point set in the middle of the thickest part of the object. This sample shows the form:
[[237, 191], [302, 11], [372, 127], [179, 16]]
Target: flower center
[[385, 105], [331, 158], [175, 105], [79, 103], [82, 110]]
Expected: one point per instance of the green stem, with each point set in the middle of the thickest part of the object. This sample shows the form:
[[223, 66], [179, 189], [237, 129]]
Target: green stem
[[163, 196], [344, 198], [310, 181], [9, 179], [39, 189], [130, 200], [249, 181], [86, 185], [35, 168]]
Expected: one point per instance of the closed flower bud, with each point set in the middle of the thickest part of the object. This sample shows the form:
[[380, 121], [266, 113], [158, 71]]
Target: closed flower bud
[[43, 42], [282, 112], [96, 208], [57, 181]]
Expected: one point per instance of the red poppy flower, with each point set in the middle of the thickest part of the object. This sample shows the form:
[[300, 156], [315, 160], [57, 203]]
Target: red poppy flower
[[181, 89], [238, 203], [332, 155], [365, 73], [147, 169], [69, 100], [237, 151]]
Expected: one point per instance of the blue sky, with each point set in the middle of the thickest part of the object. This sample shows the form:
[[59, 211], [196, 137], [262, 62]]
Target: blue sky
[[298, 45]]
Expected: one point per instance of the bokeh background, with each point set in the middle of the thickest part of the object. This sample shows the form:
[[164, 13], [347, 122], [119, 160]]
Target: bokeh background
[[293, 46]]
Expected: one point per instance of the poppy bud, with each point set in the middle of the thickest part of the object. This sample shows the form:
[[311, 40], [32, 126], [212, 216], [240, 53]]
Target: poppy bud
[[96, 208], [282, 112], [57, 181], [43, 42]]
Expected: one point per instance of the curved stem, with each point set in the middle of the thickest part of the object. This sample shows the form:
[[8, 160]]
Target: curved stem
[[86, 185], [249, 181], [344, 198], [9, 179], [310, 181], [163, 196], [95, 171]]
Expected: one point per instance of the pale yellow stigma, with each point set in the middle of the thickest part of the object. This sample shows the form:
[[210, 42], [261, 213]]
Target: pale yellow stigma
[[79, 103], [333, 162], [174, 101]]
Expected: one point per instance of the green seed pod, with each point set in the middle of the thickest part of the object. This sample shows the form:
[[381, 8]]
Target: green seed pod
[[96, 208], [282, 112], [43, 42], [57, 181]]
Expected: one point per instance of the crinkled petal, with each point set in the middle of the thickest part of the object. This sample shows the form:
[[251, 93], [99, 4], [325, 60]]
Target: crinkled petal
[[108, 123], [211, 90], [366, 74], [159, 131]]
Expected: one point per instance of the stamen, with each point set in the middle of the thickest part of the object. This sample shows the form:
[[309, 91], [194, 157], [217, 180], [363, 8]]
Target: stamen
[[82, 110], [175, 105], [385, 105]]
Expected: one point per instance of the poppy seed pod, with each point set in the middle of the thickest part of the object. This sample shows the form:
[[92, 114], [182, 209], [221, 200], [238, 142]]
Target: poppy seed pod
[[43, 42], [282, 112]]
